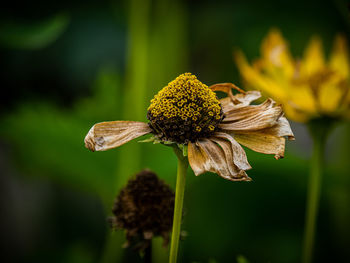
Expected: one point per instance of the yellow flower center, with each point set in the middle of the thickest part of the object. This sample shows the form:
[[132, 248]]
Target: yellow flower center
[[184, 111]]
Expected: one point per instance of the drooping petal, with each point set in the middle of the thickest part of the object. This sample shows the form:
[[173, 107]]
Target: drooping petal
[[252, 118], [214, 159], [107, 135], [339, 60], [237, 114], [262, 142], [281, 129], [239, 155], [199, 161]]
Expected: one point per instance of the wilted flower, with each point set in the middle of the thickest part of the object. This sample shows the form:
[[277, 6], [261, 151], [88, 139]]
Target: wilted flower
[[308, 88], [144, 208], [187, 112]]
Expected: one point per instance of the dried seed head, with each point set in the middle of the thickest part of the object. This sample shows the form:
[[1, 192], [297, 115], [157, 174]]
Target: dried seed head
[[144, 208], [184, 111]]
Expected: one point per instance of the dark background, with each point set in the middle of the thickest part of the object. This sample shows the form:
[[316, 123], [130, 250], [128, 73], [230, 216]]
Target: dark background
[[68, 65]]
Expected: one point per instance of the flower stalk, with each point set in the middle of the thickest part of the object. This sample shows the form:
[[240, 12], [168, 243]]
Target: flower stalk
[[182, 166], [319, 130]]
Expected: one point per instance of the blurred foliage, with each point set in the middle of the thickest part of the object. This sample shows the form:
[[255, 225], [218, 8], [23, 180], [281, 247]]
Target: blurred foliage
[[21, 35], [48, 141], [242, 259]]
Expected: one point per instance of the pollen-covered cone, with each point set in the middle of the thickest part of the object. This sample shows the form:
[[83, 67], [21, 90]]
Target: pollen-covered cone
[[310, 87]]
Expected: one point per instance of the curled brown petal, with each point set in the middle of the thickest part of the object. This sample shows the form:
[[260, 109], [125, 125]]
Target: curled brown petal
[[281, 129], [214, 160], [244, 100], [247, 97], [252, 120], [107, 135], [248, 111], [262, 142], [198, 159], [227, 88], [239, 155], [228, 154]]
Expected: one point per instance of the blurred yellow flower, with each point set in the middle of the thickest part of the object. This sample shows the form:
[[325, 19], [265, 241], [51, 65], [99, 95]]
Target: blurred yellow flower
[[308, 88]]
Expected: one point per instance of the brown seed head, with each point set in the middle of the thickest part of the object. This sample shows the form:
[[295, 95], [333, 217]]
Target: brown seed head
[[144, 208]]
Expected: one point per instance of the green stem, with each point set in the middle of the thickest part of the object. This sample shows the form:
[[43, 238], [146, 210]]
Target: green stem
[[179, 198], [319, 130]]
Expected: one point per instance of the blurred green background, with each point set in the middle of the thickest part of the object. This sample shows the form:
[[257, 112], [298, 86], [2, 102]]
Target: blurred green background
[[68, 65]]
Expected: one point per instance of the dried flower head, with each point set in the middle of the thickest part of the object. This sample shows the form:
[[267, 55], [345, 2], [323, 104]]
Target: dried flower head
[[187, 113], [308, 88], [144, 209]]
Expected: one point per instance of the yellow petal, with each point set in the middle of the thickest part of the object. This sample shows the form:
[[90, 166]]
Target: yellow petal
[[294, 114], [107, 135], [275, 51], [339, 61], [313, 59], [303, 98], [330, 95], [257, 80]]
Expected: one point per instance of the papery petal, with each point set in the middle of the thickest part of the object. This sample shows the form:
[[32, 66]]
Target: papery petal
[[262, 143], [313, 59], [228, 157], [226, 88], [239, 155], [247, 111], [226, 104], [339, 60], [247, 97], [107, 135], [244, 100], [281, 129], [199, 161], [216, 160], [253, 117]]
